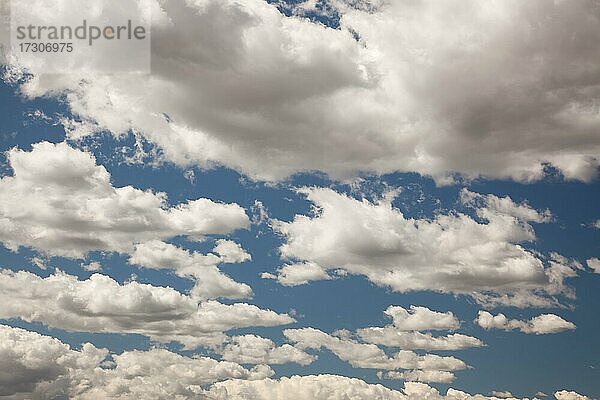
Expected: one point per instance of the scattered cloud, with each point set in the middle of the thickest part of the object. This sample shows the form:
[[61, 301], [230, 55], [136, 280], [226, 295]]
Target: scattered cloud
[[419, 376], [540, 325], [365, 355], [60, 202], [298, 274], [594, 264], [41, 367], [451, 253], [252, 349], [100, 304], [210, 282], [569, 395]]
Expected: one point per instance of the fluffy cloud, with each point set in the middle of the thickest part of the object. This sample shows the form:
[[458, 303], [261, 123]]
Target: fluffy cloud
[[211, 283], [252, 349], [594, 264], [363, 355], [481, 88], [325, 387], [421, 319], [298, 274], [59, 201], [231, 252], [392, 337], [100, 304], [452, 253], [540, 325], [403, 332], [419, 376], [333, 387], [569, 395], [40, 367]]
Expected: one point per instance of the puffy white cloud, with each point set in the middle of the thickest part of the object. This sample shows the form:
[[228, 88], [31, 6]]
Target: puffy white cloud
[[30, 360], [540, 325], [419, 376], [502, 394], [231, 252], [59, 201], [322, 387], [403, 332], [298, 274], [594, 264], [392, 337], [479, 88], [40, 367], [452, 253], [333, 387], [211, 283], [569, 395], [252, 349], [421, 319], [364, 355], [100, 304]]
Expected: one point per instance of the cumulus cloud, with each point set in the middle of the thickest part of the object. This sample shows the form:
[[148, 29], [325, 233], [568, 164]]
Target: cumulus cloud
[[452, 253], [40, 367], [540, 325], [477, 88], [333, 387], [406, 324], [252, 349], [231, 252], [365, 355], [421, 319], [419, 376], [298, 274], [59, 201], [569, 395], [210, 283], [594, 264], [100, 304]]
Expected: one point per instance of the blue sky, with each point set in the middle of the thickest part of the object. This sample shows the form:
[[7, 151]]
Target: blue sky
[[510, 360]]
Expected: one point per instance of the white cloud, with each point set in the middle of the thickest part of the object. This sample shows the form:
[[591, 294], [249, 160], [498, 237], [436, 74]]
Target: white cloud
[[333, 387], [421, 319], [325, 387], [569, 395], [479, 88], [231, 252], [59, 201], [450, 253], [252, 349], [502, 394], [594, 264], [363, 355], [40, 367], [100, 304], [540, 325], [392, 337], [404, 330], [420, 376], [298, 274], [211, 283]]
